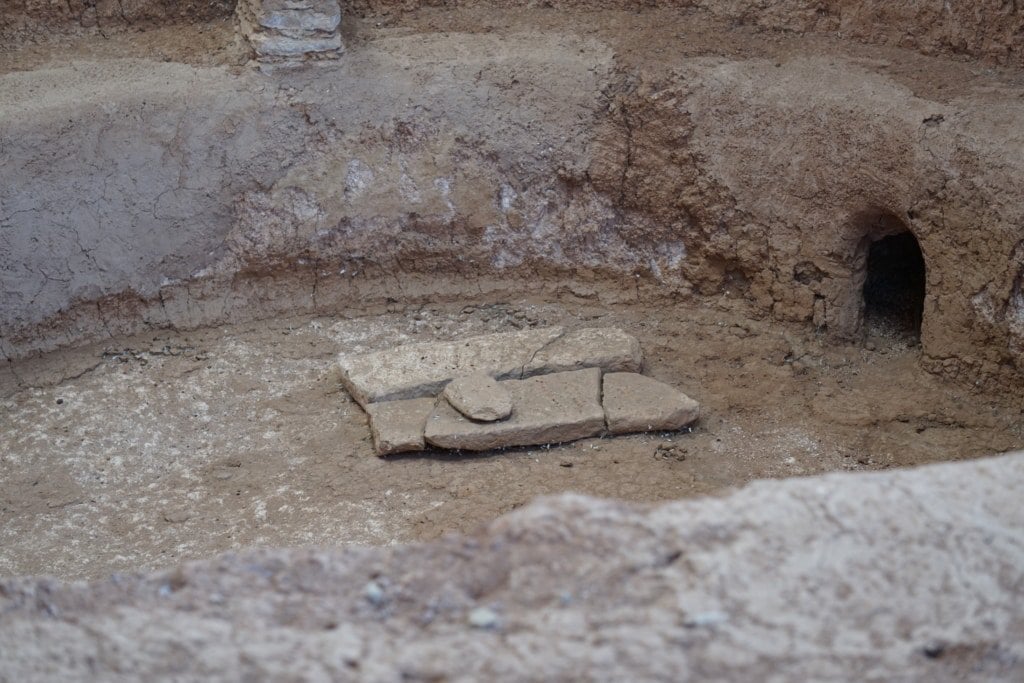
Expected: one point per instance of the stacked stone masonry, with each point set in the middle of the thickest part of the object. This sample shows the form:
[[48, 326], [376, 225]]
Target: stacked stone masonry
[[282, 31]]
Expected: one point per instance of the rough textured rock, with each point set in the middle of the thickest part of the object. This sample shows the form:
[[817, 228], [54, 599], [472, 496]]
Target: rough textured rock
[[608, 348], [397, 426], [479, 397], [555, 408], [284, 31], [901, 575], [634, 403], [417, 370]]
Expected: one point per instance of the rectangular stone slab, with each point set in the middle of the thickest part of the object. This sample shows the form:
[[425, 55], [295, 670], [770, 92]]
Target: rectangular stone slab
[[552, 408], [634, 403], [608, 348], [418, 370], [397, 426]]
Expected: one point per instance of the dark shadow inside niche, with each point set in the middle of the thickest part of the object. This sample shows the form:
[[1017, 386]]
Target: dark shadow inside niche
[[894, 288]]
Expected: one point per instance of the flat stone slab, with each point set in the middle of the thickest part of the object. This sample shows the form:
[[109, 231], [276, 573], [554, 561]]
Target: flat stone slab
[[551, 408], [283, 46], [608, 348], [634, 403], [397, 426], [287, 15], [419, 370], [479, 397]]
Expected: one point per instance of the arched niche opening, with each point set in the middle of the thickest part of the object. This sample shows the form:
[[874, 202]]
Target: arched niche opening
[[894, 284]]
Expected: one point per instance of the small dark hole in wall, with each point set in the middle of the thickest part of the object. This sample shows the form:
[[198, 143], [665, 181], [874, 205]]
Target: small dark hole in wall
[[894, 288]]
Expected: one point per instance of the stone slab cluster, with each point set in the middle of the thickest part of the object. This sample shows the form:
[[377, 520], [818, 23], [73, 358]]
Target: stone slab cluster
[[288, 31], [524, 388]]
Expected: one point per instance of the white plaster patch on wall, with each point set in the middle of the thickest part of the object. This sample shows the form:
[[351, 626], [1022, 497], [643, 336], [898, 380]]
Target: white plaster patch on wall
[[358, 178], [444, 186], [498, 237], [674, 254], [655, 269], [984, 306], [408, 190], [542, 228], [669, 256], [504, 259], [303, 206], [1015, 315], [507, 197]]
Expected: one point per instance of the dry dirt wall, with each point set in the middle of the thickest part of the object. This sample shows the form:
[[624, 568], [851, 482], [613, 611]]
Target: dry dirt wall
[[990, 29], [901, 575], [30, 20], [777, 175], [136, 194]]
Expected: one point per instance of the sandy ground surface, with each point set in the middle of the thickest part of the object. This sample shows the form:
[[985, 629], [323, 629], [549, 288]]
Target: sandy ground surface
[[143, 452], [175, 446]]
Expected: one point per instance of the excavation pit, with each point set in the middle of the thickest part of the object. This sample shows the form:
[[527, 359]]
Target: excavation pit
[[810, 223]]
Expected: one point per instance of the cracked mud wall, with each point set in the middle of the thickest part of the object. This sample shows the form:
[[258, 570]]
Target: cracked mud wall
[[989, 29], [992, 30], [32, 20], [136, 194], [778, 173]]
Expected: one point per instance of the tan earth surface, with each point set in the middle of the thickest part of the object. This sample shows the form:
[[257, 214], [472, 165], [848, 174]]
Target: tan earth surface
[[187, 243], [174, 447]]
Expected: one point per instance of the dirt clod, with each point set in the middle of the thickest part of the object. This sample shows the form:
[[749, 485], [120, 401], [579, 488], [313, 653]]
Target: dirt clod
[[670, 451]]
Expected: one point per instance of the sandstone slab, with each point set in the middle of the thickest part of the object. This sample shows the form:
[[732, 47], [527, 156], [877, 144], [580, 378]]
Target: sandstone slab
[[634, 403], [286, 46], [418, 370], [397, 426], [479, 397], [550, 408], [609, 348]]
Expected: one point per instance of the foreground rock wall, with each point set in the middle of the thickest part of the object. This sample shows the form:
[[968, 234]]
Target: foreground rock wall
[[908, 575]]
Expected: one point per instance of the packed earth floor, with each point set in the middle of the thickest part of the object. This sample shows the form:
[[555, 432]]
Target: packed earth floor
[[143, 452]]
